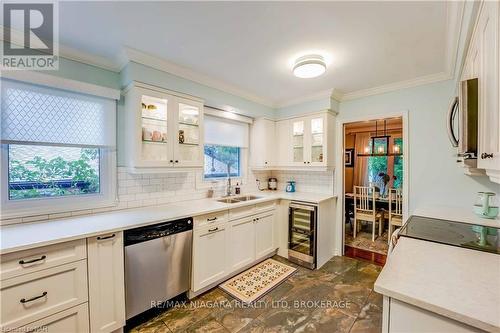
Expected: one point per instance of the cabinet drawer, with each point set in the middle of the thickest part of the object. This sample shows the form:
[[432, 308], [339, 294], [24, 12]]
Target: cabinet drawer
[[265, 206], [33, 260], [75, 319], [237, 213], [33, 296], [209, 219]]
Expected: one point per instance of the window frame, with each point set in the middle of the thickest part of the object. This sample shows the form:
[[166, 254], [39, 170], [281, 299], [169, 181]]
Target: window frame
[[240, 169], [203, 183], [62, 204]]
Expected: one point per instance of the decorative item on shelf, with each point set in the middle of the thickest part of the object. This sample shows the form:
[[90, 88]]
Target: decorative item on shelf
[[349, 158], [290, 186], [320, 157], [152, 107], [272, 184], [486, 205], [156, 136], [147, 135], [181, 136], [144, 106]]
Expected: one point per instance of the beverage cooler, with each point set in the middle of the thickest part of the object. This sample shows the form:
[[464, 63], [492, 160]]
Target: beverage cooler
[[302, 225]]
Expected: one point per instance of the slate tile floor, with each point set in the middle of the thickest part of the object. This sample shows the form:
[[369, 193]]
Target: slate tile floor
[[337, 298]]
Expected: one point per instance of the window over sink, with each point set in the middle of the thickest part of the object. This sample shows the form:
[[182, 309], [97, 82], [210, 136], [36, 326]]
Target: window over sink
[[226, 143]]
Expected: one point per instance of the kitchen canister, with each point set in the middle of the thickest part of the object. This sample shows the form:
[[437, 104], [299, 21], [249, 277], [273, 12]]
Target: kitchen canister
[[290, 186]]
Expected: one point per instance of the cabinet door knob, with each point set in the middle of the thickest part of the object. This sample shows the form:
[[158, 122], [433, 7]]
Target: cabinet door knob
[[486, 155], [176, 161], [22, 262], [171, 161], [305, 162]]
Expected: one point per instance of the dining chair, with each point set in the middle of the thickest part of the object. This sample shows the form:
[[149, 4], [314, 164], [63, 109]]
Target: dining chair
[[365, 209], [395, 210]]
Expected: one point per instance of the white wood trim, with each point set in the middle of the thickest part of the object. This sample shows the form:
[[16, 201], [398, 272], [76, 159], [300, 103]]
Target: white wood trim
[[419, 81], [211, 111], [307, 114], [61, 83], [307, 98], [454, 24], [339, 165], [139, 84]]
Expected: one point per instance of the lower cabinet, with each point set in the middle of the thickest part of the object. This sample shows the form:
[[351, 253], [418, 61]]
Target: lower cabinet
[[241, 249], [224, 248], [403, 317], [264, 234], [209, 255], [106, 282], [75, 319]]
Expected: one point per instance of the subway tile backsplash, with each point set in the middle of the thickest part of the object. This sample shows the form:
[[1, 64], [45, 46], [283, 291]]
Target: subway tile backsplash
[[140, 190]]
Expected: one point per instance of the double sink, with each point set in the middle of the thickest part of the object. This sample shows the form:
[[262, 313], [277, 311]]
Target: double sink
[[238, 199]]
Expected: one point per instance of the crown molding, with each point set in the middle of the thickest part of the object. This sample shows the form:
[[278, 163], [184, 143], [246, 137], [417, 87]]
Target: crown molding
[[113, 65], [187, 73], [311, 97], [427, 79]]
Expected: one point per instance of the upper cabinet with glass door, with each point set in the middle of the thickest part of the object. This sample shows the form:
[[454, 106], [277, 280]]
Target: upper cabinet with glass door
[[160, 130], [312, 136], [189, 148]]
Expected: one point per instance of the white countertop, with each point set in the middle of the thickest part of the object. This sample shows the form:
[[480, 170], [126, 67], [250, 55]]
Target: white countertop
[[457, 283], [29, 235]]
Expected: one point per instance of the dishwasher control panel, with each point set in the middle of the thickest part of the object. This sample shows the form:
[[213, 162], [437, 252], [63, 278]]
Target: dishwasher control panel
[[163, 229]]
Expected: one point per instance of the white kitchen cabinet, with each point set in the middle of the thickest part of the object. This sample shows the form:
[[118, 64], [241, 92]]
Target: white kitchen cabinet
[[263, 144], [283, 143], [162, 130], [106, 282], [75, 319], [264, 234], [241, 243], [209, 255], [402, 317], [225, 248], [482, 62], [308, 141], [487, 33]]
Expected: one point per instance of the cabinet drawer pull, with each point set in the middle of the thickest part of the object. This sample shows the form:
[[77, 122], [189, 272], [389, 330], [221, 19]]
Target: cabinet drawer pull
[[214, 229], [24, 300], [212, 219], [106, 237], [22, 262], [486, 155]]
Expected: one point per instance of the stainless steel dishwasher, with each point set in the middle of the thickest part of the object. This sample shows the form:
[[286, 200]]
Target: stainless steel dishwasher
[[157, 264]]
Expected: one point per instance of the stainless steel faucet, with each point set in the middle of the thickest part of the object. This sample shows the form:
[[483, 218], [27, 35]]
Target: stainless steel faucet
[[228, 188]]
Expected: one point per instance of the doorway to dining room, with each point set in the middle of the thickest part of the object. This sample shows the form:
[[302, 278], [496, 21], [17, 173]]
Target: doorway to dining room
[[373, 175]]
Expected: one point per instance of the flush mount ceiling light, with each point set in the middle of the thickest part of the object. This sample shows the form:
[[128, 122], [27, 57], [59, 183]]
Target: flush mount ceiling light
[[309, 66]]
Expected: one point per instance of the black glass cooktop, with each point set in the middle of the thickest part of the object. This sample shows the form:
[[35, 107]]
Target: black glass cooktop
[[459, 234]]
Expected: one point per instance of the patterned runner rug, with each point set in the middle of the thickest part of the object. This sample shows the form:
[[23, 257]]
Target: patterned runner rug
[[253, 283]]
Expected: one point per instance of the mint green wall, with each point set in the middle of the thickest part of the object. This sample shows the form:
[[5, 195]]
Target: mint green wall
[[435, 177], [212, 97], [305, 107], [78, 71]]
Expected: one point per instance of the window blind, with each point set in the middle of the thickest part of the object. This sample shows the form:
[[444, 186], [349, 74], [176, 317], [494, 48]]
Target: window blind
[[33, 114], [225, 132]]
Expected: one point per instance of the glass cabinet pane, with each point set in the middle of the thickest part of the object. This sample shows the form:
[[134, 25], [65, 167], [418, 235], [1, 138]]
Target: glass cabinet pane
[[298, 141], [317, 140], [154, 128], [188, 133]]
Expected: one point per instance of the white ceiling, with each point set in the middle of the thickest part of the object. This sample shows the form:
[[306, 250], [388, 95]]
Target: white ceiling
[[249, 45]]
